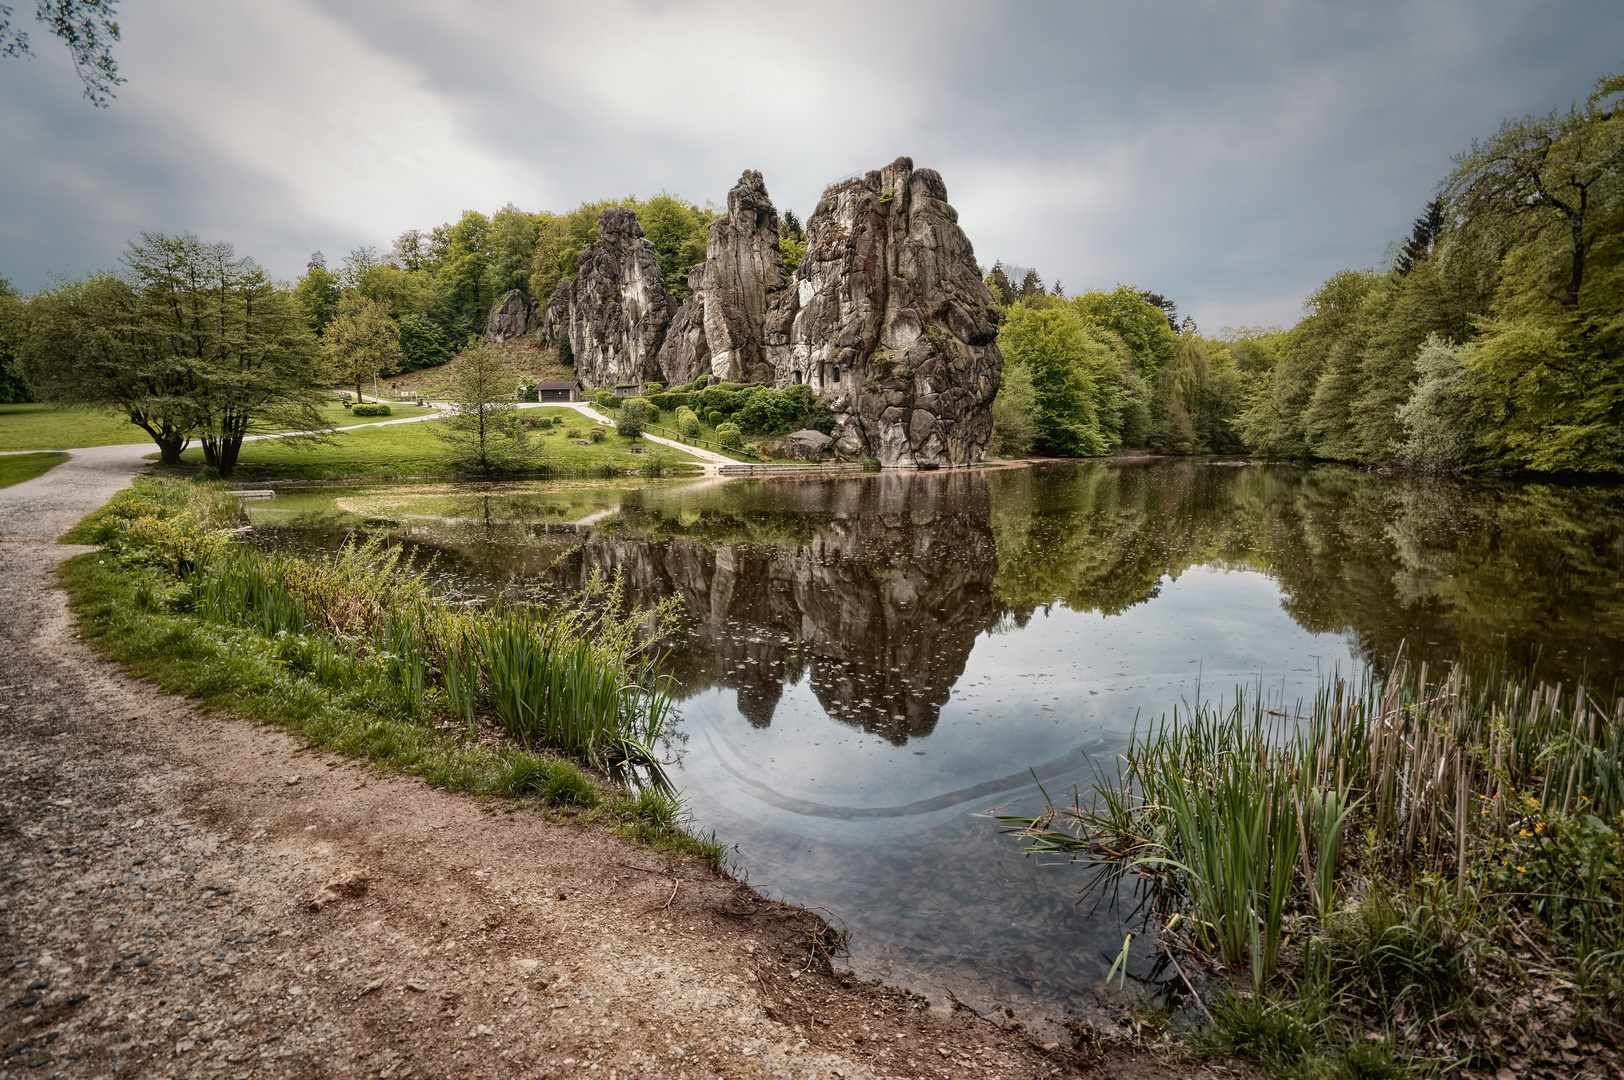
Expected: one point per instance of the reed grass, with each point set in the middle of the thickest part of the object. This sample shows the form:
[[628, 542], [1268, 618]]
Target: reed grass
[[1402, 828], [579, 678]]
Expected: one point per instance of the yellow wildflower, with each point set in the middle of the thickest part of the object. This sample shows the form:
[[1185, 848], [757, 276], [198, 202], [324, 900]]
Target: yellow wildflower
[[1522, 869]]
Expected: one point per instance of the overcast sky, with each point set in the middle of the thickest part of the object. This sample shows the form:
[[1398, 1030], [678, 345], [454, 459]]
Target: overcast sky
[[1230, 155]]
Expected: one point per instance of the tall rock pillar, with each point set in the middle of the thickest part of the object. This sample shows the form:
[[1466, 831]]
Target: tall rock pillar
[[889, 319]]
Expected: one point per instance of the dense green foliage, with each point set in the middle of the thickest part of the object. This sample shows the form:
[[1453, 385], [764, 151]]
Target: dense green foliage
[[1493, 337], [438, 286], [13, 390]]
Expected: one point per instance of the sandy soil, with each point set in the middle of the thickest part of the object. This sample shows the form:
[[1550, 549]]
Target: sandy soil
[[187, 895]]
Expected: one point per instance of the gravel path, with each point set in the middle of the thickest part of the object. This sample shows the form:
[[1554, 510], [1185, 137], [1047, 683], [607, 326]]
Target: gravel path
[[188, 895]]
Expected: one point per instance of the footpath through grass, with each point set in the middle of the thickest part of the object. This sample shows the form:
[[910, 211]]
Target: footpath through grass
[[15, 468], [322, 650]]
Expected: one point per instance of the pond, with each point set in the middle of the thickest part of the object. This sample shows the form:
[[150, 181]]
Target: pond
[[867, 666]]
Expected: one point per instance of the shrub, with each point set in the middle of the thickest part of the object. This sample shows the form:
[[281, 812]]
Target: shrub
[[726, 397], [675, 400], [729, 436], [687, 423], [371, 410], [606, 399], [715, 417], [596, 433], [635, 415], [652, 388]]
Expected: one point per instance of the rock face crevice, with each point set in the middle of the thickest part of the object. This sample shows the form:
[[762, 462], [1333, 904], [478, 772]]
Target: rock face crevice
[[721, 327], [615, 313], [887, 317]]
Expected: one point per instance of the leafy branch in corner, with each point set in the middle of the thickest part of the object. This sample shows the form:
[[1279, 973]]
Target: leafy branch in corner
[[88, 29]]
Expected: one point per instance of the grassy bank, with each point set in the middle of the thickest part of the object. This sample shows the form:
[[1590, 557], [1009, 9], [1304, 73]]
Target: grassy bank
[[559, 708], [404, 450], [1419, 876], [15, 468]]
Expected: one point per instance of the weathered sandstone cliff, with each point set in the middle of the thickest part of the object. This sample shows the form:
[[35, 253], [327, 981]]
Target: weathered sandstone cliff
[[615, 312], [888, 318]]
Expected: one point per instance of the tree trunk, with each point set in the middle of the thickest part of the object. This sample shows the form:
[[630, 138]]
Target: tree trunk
[[227, 455], [211, 451], [169, 448]]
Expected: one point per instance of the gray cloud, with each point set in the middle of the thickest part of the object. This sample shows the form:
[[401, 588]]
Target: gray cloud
[[1231, 156]]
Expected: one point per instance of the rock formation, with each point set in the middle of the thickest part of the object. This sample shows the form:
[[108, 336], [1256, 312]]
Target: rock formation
[[615, 312], [513, 316], [888, 318], [721, 325]]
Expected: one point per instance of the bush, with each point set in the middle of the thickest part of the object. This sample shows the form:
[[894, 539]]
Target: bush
[[635, 415], [371, 410], [726, 397], [688, 423], [715, 418], [729, 436], [606, 399], [675, 400], [596, 433], [652, 388]]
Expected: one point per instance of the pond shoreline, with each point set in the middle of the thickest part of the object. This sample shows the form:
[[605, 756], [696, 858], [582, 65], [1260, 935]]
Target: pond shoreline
[[532, 936]]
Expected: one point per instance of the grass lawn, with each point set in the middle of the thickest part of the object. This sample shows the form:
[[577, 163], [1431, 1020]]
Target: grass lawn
[[46, 427], [15, 468], [413, 450]]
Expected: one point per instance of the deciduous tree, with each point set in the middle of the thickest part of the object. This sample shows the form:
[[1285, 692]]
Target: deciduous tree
[[483, 429], [362, 342]]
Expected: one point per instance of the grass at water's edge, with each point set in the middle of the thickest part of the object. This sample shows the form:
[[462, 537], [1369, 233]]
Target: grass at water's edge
[[233, 669], [1420, 876], [16, 468]]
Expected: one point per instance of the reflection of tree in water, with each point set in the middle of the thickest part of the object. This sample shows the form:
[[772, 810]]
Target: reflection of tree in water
[[880, 607], [876, 589], [1484, 569]]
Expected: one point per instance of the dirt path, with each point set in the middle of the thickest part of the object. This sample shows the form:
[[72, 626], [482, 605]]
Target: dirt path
[[185, 895]]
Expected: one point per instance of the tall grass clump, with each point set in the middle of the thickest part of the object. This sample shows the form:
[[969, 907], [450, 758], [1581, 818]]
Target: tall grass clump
[[1431, 844], [580, 678]]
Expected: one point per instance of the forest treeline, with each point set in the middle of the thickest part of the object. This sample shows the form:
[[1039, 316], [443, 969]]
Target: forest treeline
[[1492, 337], [437, 286]]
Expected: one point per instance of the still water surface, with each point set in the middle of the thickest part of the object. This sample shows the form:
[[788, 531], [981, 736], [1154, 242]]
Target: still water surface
[[867, 666]]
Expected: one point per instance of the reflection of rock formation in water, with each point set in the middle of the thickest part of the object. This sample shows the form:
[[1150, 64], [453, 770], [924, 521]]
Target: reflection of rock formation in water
[[882, 606]]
